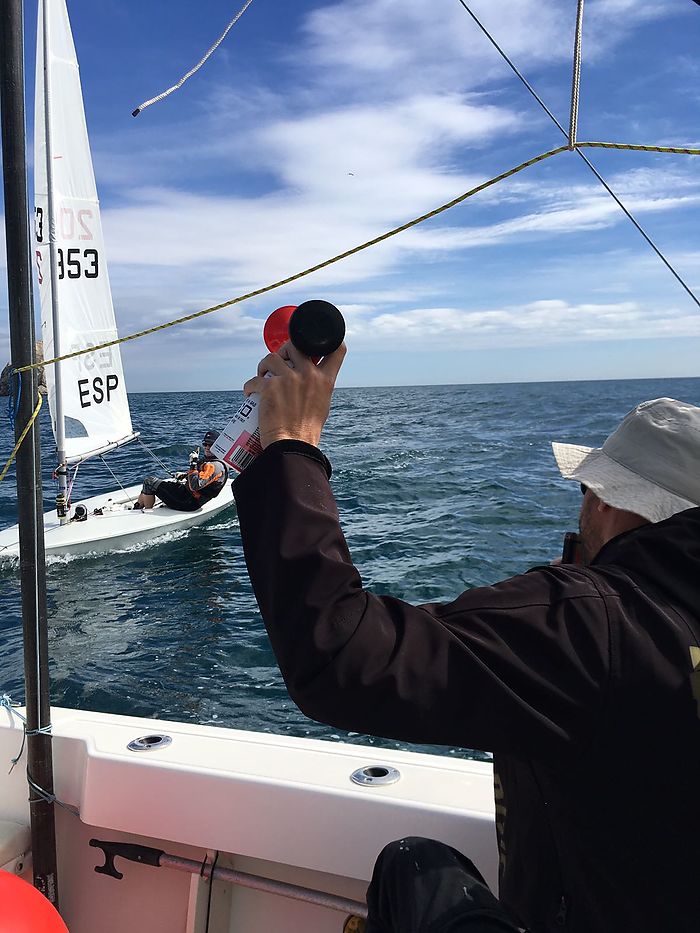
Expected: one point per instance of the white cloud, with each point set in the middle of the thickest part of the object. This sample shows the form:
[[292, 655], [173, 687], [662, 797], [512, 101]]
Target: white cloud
[[607, 22], [426, 44], [384, 140], [233, 242], [538, 323]]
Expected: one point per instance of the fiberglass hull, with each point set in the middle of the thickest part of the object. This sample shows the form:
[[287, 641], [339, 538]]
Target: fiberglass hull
[[117, 528]]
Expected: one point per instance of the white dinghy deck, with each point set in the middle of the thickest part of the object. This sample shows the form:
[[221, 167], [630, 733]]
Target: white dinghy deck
[[280, 808], [112, 524]]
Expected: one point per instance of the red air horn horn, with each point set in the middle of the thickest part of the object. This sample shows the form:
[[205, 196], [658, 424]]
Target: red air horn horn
[[316, 328]]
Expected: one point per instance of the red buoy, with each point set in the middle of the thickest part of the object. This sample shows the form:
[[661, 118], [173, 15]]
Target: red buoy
[[24, 910]]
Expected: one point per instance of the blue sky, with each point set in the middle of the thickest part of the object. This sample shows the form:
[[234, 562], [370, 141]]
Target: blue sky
[[318, 125]]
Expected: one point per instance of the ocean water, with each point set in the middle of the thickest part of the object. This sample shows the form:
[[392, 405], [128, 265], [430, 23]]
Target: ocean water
[[439, 488]]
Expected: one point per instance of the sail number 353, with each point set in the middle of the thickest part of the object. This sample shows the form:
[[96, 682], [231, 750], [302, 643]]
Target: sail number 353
[[74, 262]]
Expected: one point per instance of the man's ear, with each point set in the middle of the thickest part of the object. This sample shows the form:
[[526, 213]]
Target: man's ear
[[602, 506]]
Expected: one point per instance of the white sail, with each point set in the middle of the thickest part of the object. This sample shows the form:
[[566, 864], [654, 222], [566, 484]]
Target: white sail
[[92, 401]]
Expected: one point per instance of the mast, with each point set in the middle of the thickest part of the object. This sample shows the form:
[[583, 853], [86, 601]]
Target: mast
[[61, 468], [87, 394], [29, 499]]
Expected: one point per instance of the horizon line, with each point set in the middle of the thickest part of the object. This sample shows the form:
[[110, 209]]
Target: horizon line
[[430, 385]]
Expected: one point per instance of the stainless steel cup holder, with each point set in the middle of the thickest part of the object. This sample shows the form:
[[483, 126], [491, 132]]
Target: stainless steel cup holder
[[375, 776], [149, 743]]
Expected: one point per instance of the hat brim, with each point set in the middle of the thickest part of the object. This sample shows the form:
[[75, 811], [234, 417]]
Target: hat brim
[[617, 485]]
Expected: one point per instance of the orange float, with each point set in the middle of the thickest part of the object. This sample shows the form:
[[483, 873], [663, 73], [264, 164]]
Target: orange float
[[23, 909]]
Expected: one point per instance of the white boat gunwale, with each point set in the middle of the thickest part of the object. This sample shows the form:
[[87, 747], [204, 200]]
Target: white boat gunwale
[[275, 798]]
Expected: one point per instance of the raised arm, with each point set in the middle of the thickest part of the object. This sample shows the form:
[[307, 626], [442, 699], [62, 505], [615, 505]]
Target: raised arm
[[522, 665]]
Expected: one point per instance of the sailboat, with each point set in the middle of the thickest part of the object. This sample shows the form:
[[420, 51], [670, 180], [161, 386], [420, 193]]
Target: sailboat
[[87, 394]]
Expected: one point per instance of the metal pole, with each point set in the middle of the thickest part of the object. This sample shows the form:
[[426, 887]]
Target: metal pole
[[267, 885], [61, 469], [29, 499], [147, 855]]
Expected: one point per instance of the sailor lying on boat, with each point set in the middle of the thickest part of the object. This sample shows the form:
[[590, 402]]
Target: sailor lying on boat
[[203, 481], [582, 679]]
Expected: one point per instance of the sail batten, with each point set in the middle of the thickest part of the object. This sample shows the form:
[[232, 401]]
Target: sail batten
[[92, 408]]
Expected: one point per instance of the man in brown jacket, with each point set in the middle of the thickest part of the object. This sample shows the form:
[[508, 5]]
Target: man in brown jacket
[[582, 679]]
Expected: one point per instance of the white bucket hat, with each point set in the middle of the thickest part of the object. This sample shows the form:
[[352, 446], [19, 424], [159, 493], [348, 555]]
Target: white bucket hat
[[650, 465]]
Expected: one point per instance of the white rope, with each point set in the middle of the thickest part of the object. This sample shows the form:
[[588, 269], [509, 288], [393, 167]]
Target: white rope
[[115, 478], [576, 80], [6, 702], [156, 458], [154, 100]]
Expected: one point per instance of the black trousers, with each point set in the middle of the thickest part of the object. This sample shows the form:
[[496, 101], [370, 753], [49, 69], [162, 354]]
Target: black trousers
[[423, 886], [175, 495]]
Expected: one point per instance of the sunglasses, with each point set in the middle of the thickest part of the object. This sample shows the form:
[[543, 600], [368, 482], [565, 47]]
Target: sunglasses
[[584, 489]]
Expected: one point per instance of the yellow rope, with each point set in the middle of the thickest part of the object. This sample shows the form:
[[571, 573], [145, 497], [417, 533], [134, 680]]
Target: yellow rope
[[328, 262], [677, 149], [21, 438], [357, 249], [305, 272]]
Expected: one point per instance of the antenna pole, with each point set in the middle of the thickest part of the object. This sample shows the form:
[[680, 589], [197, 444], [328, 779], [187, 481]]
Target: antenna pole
[[29, 499]]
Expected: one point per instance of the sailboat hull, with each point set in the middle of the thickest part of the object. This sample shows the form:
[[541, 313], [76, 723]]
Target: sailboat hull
[[119, 527]]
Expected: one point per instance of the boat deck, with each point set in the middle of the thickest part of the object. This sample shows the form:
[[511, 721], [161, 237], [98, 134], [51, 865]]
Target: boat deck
[[280, 808]]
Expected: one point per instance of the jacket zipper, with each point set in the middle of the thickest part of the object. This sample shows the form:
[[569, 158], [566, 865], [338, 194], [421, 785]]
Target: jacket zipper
[[560, 917]]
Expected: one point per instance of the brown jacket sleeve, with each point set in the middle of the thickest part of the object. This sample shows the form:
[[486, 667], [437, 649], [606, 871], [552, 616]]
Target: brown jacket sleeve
[[520, 666]]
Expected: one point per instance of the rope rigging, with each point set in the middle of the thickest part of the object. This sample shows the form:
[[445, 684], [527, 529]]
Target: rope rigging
[[21, 438], [175, 87], [396, 230], [572, 144], [576, 146], [576, 80]]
